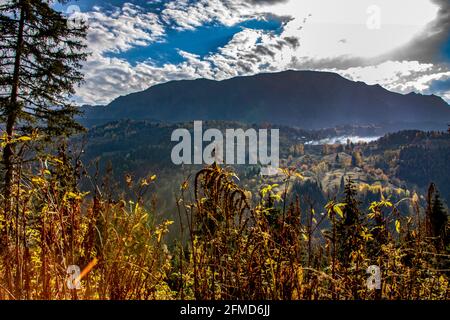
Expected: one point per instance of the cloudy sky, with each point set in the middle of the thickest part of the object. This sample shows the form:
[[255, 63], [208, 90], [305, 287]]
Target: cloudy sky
[[404, 45]]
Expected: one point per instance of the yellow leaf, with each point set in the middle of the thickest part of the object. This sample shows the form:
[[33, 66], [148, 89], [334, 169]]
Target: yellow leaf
[[24, 138], [58, 161], [298, 175], [38, 180], [72, 195], [338, 210], [397, 226]]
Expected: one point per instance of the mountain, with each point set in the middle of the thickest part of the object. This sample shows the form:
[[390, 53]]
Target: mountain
[[306, 99]]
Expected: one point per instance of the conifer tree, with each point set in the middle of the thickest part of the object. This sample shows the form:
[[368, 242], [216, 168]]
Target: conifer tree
[[348, 229], [40, 62], [438, 221], [437, 228]]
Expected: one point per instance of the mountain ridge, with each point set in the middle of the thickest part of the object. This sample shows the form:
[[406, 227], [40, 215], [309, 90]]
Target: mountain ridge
[[309, 99]]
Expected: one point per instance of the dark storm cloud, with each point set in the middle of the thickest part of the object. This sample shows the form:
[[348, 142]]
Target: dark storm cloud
[[428, 46]]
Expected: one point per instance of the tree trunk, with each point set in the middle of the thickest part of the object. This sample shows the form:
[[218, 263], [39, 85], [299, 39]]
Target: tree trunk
[[12, 110]]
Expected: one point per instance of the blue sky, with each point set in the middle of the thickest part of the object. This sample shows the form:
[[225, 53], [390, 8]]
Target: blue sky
[[446, 49], [399, 44], [202, 41]]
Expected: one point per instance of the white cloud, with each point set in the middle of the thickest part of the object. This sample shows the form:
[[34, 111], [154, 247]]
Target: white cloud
[[122, 29], [188, 16], [386, 73], [336, 28], [400, 76], [107, 78], [321, 34]]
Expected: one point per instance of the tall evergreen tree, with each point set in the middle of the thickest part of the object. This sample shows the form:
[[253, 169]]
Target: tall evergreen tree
[[439, 220], [40, 62], [348, 228], [436, 218], [437, 228]]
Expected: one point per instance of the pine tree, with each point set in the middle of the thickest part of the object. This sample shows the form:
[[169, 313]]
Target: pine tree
[[439, 220], [436, 218], [351, 211], [40, 62], [348, 235], [342, 184], [348, 228], [437, 228]]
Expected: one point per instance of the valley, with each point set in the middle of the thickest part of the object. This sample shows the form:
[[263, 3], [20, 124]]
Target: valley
[[388, 166]]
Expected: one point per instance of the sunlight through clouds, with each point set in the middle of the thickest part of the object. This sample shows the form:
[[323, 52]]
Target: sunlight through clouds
[[313, 34]]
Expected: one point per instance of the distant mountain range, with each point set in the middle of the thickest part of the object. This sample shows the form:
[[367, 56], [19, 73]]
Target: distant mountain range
[[306, 99]]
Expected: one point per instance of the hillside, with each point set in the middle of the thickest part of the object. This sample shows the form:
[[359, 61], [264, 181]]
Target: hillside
[[306, 99], [405, 161]]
